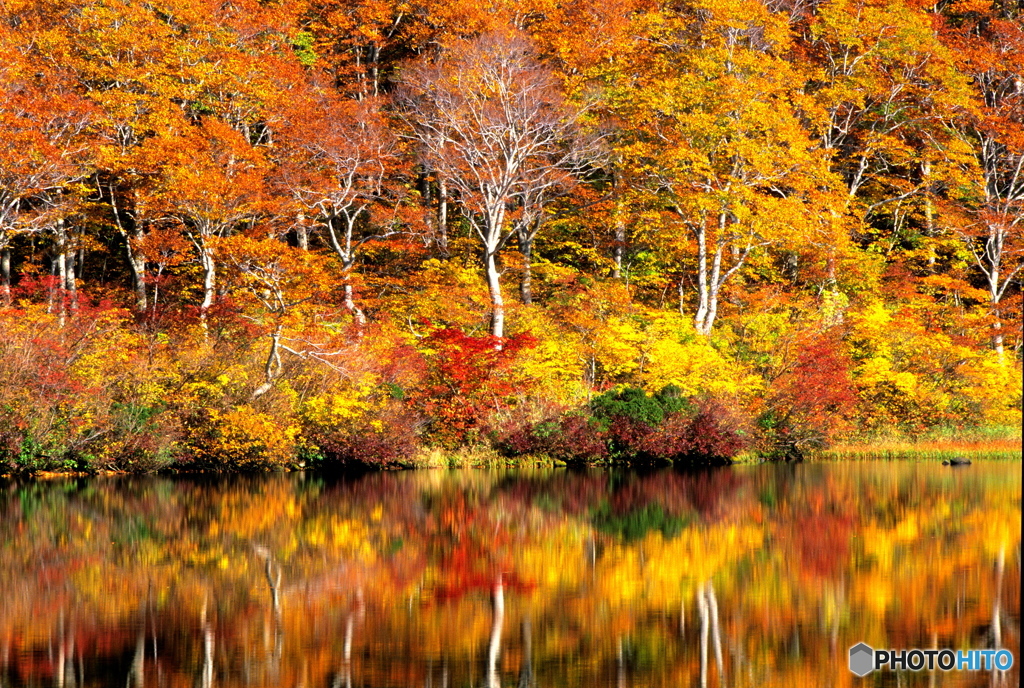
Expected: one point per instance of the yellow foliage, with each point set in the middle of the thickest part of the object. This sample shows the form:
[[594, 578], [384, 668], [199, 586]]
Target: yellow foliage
[[914, 376], [675, 355], [107, 356], [244, 438], [616, 346], [870, 323], [877, 370], [342, 407], [555, 363], [995, 385]]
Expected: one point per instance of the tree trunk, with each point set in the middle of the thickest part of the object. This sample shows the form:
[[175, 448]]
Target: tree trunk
[[929, 213], [209, 276], [60, 269], [619, 247], [348, 261], [494, 290], [156, 285], [442, 214], [271, 371], [302, 232], [375, 68], [714, 288], [5, 277], [138, 267], [49, 291], [997, 333], [494, 646], [703, 289], [136, 263], [357, 314], [994, 255], [71, 282]]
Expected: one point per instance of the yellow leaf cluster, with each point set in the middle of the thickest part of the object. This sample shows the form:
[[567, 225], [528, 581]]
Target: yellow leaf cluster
[[675, 355], [248, 439], [342, 407]]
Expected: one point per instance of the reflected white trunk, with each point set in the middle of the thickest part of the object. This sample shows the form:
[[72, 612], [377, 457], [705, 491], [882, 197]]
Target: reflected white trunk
[[137, 675], [707, 608], [206, 676], [702, 608], [716, 632], [998, 677], [345, 677], [64, 675], [494, 646]]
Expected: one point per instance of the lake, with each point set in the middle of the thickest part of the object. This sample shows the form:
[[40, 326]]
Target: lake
[[761, 575]]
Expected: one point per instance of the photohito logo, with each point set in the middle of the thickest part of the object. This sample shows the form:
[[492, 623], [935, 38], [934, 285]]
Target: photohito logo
[[864, 659]]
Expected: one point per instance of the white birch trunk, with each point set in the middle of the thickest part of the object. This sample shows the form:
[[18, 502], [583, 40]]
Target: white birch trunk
[[209, 265], [497, 301], [494, 645], [5, 277], [703, 288]]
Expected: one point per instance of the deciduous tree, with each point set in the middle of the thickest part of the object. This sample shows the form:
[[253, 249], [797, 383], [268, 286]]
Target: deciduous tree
[[339, 164], [211, 182], [989, 47], [491, 119], [713, 133]]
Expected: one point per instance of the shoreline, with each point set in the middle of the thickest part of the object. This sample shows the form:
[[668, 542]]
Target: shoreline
[[468, 459]]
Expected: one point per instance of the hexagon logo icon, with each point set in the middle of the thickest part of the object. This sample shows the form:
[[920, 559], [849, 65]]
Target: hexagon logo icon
[[862, 659]]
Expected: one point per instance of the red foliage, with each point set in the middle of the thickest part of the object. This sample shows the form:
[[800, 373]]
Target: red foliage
[[714, 432], [468, 377], [368, 446], [823, 542], [712, 435], [704, 491], [814, 399], [571, 438]]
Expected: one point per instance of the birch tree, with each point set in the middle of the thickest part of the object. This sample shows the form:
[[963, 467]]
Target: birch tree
[[491, 119], [43, 149], [338, 159], [712, 136], [211, 183], [992, 53]]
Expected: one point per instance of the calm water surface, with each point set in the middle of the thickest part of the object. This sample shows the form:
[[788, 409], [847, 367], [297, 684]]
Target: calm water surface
[[745, 576]]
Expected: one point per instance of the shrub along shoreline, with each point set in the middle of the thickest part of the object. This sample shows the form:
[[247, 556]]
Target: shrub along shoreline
[[694, 435], [484, 457], [103, 391]]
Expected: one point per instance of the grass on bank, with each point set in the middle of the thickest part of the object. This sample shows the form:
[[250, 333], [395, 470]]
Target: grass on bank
[[997, 443], [465, 457]]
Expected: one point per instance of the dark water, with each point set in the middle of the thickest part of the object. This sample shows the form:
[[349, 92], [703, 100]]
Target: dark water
[[745, 576]]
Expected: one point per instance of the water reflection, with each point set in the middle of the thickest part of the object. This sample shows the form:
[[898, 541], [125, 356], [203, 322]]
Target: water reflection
[[747, 576]]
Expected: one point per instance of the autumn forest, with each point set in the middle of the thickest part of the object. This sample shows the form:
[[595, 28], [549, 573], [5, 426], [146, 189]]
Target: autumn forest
[[245, 234]]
